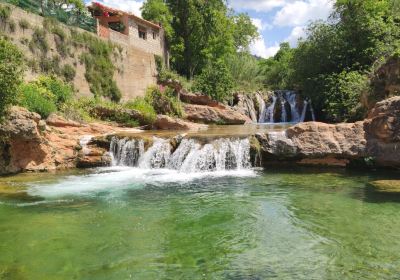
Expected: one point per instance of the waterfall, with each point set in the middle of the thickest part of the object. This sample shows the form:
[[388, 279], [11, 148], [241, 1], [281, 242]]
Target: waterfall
[[283, 113], [303, 113], [292, 98], [269, 112], [189, 156], [261, 108]]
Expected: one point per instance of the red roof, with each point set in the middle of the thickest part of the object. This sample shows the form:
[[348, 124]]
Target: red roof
[[107, 10]]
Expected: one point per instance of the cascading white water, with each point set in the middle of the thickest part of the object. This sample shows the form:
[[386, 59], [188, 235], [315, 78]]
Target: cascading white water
[[303, 113], [290, 97], [283, 113], [126, 152], [261, 108], [190, 156], [269, 112]]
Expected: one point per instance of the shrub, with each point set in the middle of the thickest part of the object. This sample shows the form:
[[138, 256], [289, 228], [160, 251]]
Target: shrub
[[11, 73], [61, 91], [215, 81], [78, 109], [37, 99], [99, 66], [166, 103], [140, 104], [5, 13], [24, 24], [68, 72], [344, 92], [39, 41], [12, 26]]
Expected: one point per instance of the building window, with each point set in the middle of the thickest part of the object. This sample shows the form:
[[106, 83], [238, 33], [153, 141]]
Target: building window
[[154, 35], [142, 33]]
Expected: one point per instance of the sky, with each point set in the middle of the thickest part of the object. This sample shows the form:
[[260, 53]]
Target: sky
[[277, 20]]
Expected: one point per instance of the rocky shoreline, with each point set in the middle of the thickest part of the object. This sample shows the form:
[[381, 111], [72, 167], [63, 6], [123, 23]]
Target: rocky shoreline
[[29, 144]]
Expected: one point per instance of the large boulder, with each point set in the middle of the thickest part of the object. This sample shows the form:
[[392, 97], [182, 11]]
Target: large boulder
[[59, 121], [168, 123], [198, 99], [214, 115], [21, 124], [315, 143]]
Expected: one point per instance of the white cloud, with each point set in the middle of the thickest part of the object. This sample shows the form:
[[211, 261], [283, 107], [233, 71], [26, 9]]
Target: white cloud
[[260, 24], [297, 33], [257, 5], [259, 48], [131, 6], [299, 13]]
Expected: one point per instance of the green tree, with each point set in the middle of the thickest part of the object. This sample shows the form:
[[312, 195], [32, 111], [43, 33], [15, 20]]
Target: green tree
[[202, 31], [215, 81], [245, 71], [277, 70], [11, 74]]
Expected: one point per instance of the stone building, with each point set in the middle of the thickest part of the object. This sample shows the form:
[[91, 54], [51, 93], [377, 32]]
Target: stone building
[[128, 29]]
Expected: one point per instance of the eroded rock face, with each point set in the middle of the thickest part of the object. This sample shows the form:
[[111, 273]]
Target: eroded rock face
[[28, 144], [214, 115], [198, 99], [167, 123]]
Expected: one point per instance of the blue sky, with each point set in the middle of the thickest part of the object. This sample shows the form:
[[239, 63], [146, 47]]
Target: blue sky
[[277, 20]]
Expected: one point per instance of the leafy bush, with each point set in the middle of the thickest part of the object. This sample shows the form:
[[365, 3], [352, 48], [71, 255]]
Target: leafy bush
[[11, 73], [24, 24], [45, 95], [344, 93], [99, 66], [12, 26], [38, 99], [215, 81], [78, 109], [5, 13], [39, 41], [140, 104], [166, 103], [68, 72], [61, 91]]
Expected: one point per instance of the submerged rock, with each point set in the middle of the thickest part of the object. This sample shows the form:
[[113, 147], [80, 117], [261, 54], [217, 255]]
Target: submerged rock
[[386, 186]]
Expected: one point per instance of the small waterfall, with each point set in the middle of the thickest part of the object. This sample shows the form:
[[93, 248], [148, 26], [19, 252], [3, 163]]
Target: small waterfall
[[296, 114], [291, 98], [303, 113], [83, 142], [189, 156], [284, 113], [269, 112], [261, 104], [126, 152]]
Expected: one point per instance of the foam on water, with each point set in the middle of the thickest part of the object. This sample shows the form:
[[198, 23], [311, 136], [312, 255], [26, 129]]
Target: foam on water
[[134, 167]]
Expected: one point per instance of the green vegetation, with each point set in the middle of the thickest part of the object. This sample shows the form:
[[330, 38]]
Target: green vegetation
[[37, 99], [215, 81], [200, 31], [45, 95], [141, 105], [99, 66], [39, 41], [70, 12], [333, 64], [24, 24], [11, 74], [164, 102]]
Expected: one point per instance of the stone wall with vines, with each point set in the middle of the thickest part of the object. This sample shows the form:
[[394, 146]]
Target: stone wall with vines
[[93, 65]]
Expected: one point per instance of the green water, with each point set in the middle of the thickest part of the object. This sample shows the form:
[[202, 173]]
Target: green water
[[269, 225]]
